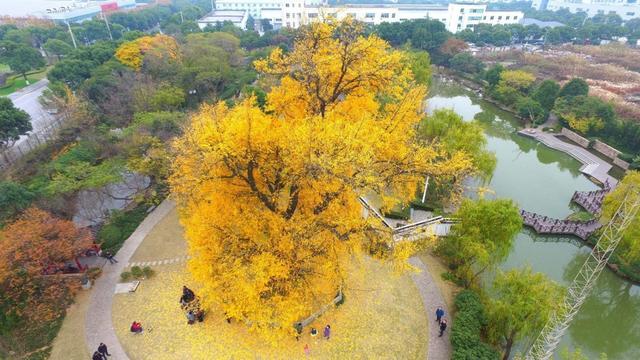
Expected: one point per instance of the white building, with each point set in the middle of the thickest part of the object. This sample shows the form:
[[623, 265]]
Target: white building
[[237, 17], [455, 16], [626, 9]]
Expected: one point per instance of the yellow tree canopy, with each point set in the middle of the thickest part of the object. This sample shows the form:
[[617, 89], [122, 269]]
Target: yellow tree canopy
[[132, 53], [269, 199]]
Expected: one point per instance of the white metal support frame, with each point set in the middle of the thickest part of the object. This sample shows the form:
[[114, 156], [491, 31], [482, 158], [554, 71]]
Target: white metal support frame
[[549, 337]]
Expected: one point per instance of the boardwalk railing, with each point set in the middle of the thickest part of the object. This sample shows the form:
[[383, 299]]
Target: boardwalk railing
[[591, 200], [29, 142], [547, 225]]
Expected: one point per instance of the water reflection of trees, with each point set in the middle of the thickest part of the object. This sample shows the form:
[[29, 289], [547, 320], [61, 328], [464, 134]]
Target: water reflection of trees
[[549, 156], [609, 320]]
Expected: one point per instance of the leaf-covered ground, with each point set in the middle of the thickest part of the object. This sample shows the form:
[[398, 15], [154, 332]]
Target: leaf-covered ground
[[382, 317]]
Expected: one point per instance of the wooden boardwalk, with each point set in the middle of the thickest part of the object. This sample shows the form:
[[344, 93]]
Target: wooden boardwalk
[[592, 165], [547, 225], [591, 200]]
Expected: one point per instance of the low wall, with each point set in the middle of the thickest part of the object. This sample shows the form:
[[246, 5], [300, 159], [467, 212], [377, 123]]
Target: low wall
[[575, 138], [623, 164], [605, 150]]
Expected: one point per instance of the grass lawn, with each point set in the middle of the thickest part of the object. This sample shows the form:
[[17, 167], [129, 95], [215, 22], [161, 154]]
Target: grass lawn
[[70, 343], [19, 83], [382, 317], [165, 241]]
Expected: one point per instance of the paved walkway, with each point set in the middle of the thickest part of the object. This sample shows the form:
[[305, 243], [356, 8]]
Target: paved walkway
[[99, 323], [592, 165], [176, 260], [439, 347]]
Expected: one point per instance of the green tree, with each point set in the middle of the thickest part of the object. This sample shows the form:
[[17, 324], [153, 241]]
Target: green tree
[[13, 123], [482, 239], [457, 135], [546, 93], [421, 66], [629, 247], [492, 76], [167, 98], [22, 59], [13, 199], [522, 305], [57, 47], [251, 23], [266, 25], [574, 87], [531, 109], [466, 63]]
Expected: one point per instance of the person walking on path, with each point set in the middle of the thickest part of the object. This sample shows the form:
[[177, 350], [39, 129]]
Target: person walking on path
[[443, 327], [102, 349], [327, 332], [109, 256], [439, 314], [307, 351]]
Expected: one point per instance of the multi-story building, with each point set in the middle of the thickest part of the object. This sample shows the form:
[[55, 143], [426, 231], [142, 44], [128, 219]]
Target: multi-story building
[[626, 9], [293, 13]]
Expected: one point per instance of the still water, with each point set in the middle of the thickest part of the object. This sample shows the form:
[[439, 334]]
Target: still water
[[543, 180]]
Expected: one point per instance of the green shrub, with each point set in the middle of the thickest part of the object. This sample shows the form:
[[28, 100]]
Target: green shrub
[[125, 276], [147, 272], [419, 205], [626, 157], [119, 227], [136, 272], [467, 329]]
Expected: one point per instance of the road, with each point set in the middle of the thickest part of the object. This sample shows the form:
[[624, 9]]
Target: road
[[27, 100]]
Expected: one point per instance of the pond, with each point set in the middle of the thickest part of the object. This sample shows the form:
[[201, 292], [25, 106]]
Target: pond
[[543, 180]]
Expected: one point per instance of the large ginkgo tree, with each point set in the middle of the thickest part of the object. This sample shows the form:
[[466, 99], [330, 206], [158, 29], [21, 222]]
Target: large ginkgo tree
[[269, 197]]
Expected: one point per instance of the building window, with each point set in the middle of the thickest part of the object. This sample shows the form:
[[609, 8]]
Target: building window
[[288, 16], [286, 5], [370, 15], [462, 11], [492, 18], [499, 17], [313, 16], [393, 15], [515, 17], [475, 18], [484, 18], [508, 17], [631, 14], [460, 18], [384, 15]]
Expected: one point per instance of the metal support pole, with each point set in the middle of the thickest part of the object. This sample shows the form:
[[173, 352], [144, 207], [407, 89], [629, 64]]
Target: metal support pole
[[107, 23], [426, 186], [73, 38]]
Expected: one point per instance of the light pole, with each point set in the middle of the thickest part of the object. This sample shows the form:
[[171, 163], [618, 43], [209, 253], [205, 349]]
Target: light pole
[[107, 23], [73, 38]]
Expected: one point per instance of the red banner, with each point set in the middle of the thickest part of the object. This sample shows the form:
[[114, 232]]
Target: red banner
[[109, 6]]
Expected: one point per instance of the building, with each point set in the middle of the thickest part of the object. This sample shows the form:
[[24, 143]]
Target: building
[[237, 17], [293, 13], [63, 11], [626, 9]]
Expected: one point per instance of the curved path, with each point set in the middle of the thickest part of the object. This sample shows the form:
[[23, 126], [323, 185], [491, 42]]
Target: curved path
[[439, 347], [99, 324]]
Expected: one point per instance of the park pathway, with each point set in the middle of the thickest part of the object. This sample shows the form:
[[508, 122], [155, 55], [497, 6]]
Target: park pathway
[[99, 323], [439, 347]]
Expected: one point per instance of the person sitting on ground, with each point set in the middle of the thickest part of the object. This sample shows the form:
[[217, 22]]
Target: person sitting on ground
[[136, 327], [314, 332], [191, 317], [188, 294], [200, 315], [97, 356]]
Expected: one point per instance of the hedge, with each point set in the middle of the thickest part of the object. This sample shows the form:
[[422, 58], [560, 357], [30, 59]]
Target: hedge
[[467, 329]]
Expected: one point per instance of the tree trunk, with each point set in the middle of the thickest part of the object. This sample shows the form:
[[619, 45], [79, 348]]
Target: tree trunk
[[508, 346], [24, 75]]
